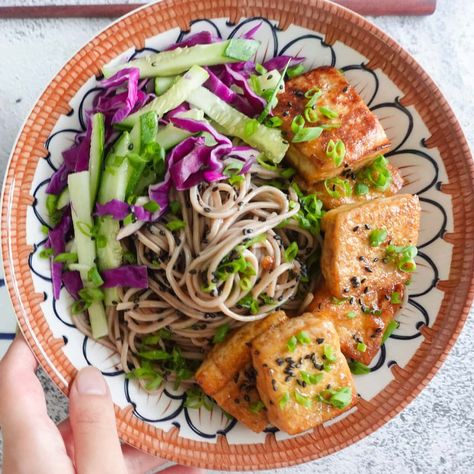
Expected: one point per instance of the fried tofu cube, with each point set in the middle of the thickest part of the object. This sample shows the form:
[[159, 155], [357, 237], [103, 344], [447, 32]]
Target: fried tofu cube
[[360, 322], [333, 195], [302, 377], [227, 374], [349, 261], [360, 130]]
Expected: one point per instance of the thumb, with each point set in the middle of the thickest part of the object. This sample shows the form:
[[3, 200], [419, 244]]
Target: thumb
[[96, 443]]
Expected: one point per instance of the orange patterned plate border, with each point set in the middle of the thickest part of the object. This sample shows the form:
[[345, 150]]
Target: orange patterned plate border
[[338, 24]]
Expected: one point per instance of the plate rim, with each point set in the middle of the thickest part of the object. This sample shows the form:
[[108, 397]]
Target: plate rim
[[335, 22]]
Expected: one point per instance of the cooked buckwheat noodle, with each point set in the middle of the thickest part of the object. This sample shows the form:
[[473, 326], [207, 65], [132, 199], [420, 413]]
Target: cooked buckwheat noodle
[[218, 218]]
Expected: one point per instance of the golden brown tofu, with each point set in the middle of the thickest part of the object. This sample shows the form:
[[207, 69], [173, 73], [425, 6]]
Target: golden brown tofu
[[330, 198], [360, 321], [348, 261], [360, 130], [227, 374], [302, 377]]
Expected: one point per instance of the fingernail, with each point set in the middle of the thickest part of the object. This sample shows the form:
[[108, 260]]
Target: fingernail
[[89, 381]]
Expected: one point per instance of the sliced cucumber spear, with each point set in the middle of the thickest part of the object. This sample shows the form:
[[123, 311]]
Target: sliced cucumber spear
[[267, 140], [63, 199], [162, 84], [179, 60], [96, 152], [172, 98], [171, 135], [81, 211], [112, 186]]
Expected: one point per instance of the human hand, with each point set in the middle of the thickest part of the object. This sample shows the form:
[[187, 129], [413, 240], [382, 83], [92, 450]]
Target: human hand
[[87, 443]]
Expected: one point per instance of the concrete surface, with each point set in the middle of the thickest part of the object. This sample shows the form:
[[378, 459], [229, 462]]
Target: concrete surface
[[435, 434]]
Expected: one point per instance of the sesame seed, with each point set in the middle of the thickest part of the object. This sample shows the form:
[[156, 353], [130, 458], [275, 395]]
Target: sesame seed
[[367, 226], [319, 340], [207, 209], [368, 269], [355, 229]]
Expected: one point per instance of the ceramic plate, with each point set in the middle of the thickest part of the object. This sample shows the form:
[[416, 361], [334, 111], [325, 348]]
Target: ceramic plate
[[428, 147]]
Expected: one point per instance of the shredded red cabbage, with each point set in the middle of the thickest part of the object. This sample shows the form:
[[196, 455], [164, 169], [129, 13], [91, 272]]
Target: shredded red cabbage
[[131, 276], [56, 240], [119, 210], [279, 62], [203, 37], [73, 283]]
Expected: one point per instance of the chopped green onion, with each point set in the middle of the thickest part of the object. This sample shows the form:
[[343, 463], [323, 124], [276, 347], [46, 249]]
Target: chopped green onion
[[297, 124], [208, 288], [303, 337], [260, 69], [45, 229], [287, 173], [250, 303], [313, 95], [407, 266], [310, 115], [251, 126], [377, 237], [233, 168], [262, 161], [337, 398], [267, 300], [101, 241], [196, 398], [391, 326], [220, 333], [175, 224], [273, 122], [329, 353], [337, 187], [358, 368], [79, 306], [270, 95], [302, 399], [327, 112], [295, 71], [361, 347], [395, 298], [307, 134], [46, 253], [361, 189], [336, 151], [338, 301], [66, 257], [291, 344], [154, 355], [151, 206], [129, 257], [236, 180], [94, 277], [311, 379], [284, 400], [91, 294], [331, 125], [256, 407], [51, 207], [291, 252], [351, 314], [130, 219], [245, 284], [175, 207]]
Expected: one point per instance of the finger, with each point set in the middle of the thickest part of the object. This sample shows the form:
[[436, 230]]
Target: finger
[[92, 417], [66, 433], [28, 432], [182, 470], [138, 462]]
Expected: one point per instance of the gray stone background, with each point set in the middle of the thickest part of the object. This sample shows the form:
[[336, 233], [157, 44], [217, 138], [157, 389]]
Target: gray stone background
[[435, 433]]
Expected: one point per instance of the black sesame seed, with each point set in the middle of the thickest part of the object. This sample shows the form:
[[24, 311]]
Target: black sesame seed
[[368, 269], [246, 398], [319, 340], [363, 280], [328, 386], [352, 300], [355, 229], [346, 88], [367, 226], [286, 113], [362, 258], [274, 385], [366, 290], [287, 378], [355, 282], [237, 401], [346, 290], [207, 209]]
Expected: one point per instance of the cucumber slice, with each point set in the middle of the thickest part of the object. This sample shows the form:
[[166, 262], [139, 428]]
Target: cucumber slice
[[170, 136], [162, 84], [96, 152], [179, 60], [267, 140], [81, 211], [63, 199], [173, 97], [269, 81]]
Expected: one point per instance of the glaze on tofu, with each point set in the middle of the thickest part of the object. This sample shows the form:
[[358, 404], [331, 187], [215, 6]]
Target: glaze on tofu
[[227, 374], [360, 321], [360, 130], [349, 263], [302, 377], [330, 200]]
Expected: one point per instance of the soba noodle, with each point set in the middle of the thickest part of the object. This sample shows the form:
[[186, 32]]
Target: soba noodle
[[185, 297]]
